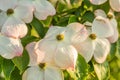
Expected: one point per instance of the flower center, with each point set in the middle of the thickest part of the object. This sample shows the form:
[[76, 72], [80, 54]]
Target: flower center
[[60, 37], [93, 36], [42, 65], [110, 16], [10, 11]]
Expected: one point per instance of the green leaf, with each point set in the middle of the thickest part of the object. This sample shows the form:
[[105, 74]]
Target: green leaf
[[22, 61], [88, 16], [15, 75], [81, 68], [73, 18], [38, 27], [102, 70], [28, 39], [7, 68], [118, 49]]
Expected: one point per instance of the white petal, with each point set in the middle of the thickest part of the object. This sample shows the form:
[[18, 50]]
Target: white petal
[[86, 49], [45, 51], [65, 57], [97, 2], [102, 27], [115, 36], [7, 4], [43, 9], [53, 73], [115, 5], [77, 32], [14, 27], [10, 47], [101, 50], [100, 12], [24, 12], [33, 73], [32, 54], [3, 18]]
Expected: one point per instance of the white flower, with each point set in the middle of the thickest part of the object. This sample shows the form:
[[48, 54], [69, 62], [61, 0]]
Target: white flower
[[97, 44], [57, 45], [97, 2], [113, 38], [10, 47], [40, 71], [13, 18], [115, 4], [42, 8]]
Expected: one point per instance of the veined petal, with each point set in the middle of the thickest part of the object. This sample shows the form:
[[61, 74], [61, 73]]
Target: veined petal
[[115, 5], [10, 47], [14, 27], [53, 73], [7, 4], [43, 8], [66, 57], [24, 12], [32, 54], [3, 18], [102, 27], [33, 73], [45, 51], [86, 49], [101, 50], [77, 32], [97, 2], [100, 12], [115, 36]]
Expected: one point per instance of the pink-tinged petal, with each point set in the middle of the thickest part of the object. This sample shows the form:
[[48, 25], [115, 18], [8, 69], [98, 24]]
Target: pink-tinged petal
[[113, 22], [14, 27], [54, 31], [24, 12], [10, 47], [6, 4], [97, 2], [33, 73], [114, 37], [115, 5], [43, 8], [100, 12], [102, 27], [77, 32], [86, 49], [45, 51], [101, 50], [33, 56], [65, 57], [3, 18], [53, 73]]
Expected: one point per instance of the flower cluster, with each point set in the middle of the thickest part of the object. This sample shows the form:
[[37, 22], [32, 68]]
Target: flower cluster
[[59, 49]]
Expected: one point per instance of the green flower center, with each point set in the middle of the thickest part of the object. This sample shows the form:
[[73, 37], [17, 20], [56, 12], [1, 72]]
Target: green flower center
[[93, 36], [42, 65], [10, 11], [60, 37], [110, 16]]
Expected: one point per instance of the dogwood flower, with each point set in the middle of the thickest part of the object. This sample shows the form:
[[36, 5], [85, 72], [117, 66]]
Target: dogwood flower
[[10, 47], [13, 18], [96, 44], [40, 71], [42, 8], [115, 4], [57, 45], [112, 21]]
